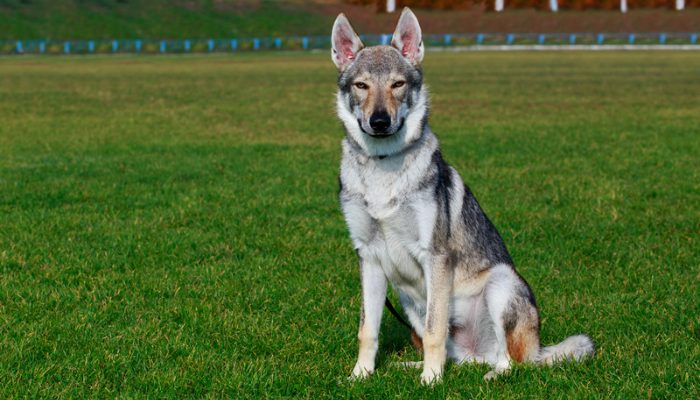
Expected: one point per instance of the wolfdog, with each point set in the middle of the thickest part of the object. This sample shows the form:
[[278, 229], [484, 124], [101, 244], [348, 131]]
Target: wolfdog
[[415, 223]]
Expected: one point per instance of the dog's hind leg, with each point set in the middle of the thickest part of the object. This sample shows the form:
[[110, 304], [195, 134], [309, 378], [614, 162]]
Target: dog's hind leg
[[512, 309], [497, 293]]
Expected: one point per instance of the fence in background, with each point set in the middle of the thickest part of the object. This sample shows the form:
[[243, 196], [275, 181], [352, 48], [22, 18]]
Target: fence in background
[[323, 42]]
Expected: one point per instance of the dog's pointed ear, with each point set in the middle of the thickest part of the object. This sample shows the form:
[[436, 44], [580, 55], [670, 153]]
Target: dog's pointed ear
[[345, 43], [407, 38]]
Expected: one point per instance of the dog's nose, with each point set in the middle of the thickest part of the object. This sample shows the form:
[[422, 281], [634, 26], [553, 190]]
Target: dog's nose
[[380, 121]]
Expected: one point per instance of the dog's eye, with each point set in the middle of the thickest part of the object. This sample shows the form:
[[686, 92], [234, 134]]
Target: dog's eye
[[398, 84], [360, 85]]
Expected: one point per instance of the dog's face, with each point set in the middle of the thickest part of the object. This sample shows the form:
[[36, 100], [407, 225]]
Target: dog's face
[[380, 87]]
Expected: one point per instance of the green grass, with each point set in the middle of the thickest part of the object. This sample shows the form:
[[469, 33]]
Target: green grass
[[169, 227]]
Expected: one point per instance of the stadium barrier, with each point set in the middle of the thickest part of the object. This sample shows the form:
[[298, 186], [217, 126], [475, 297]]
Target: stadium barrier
[[299, 43]]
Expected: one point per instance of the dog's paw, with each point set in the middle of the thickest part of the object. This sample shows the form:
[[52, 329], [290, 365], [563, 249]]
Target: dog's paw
[[359, 373], [493, 375], [430, 377]]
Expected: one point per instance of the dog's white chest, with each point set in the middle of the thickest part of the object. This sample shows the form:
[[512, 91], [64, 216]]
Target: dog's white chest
[[382, 191], [383, 206], [400, 252], [395, 228], [391, 220]]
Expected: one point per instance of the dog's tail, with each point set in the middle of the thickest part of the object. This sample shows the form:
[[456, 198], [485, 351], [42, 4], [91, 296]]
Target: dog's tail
[[577, 348]]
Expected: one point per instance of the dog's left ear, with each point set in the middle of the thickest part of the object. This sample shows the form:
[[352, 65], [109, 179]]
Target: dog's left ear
[[408, 39]]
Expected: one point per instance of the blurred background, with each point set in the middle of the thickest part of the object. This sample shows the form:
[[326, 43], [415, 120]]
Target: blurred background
[[199, 19]]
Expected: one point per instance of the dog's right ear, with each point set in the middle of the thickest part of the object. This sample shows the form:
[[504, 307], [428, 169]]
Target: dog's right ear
[[345, 43]]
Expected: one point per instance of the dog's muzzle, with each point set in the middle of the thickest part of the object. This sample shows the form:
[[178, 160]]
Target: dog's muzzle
[[380, 122], [381, 126]]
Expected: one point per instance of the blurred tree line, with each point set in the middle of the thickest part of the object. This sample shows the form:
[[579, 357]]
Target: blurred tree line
[[536, 4], [16, 3]]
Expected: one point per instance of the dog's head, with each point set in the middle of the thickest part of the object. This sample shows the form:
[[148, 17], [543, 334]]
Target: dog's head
[[380, 88]]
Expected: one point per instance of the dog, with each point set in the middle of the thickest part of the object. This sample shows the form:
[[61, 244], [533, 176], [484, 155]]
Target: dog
[[415, 223]]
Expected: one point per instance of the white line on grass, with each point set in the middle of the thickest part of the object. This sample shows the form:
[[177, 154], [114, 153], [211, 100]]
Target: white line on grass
[[536, 47]]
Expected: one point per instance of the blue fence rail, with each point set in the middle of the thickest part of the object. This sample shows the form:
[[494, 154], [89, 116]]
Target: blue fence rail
[[299, 43]]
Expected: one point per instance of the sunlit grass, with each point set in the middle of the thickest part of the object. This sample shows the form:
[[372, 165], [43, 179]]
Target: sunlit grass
[[169, 227]]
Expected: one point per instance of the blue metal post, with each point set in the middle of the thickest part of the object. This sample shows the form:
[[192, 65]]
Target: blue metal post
[[115, 46], [448, 39], [19, 47], [162, 46], [42, 47], [510, 38], [479, 38], [540, 40], [91, 46], [305, 43], [278, 43], [234, 45], [662, 38], [187, 45], [631, 40], [572, 39], [693, 38], [256, 43], [211, 45], [138, 45], [600, 38], [66, 47]]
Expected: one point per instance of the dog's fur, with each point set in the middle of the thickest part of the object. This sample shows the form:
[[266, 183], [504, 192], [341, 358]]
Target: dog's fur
[[415, 224]]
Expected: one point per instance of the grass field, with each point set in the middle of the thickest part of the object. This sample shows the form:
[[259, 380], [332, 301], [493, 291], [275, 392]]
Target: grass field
[[169, 226]]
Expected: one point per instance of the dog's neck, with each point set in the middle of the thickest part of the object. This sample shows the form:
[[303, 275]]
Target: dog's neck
[[417, 138]]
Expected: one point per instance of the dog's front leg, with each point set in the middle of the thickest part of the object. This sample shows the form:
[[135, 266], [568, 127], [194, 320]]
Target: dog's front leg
[[439, 284], [374, 285]]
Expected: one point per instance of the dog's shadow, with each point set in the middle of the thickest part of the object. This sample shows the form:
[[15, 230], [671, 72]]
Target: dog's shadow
[[395, 341]]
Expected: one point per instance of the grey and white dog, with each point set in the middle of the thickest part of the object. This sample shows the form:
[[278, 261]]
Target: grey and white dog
[[415, 224]]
